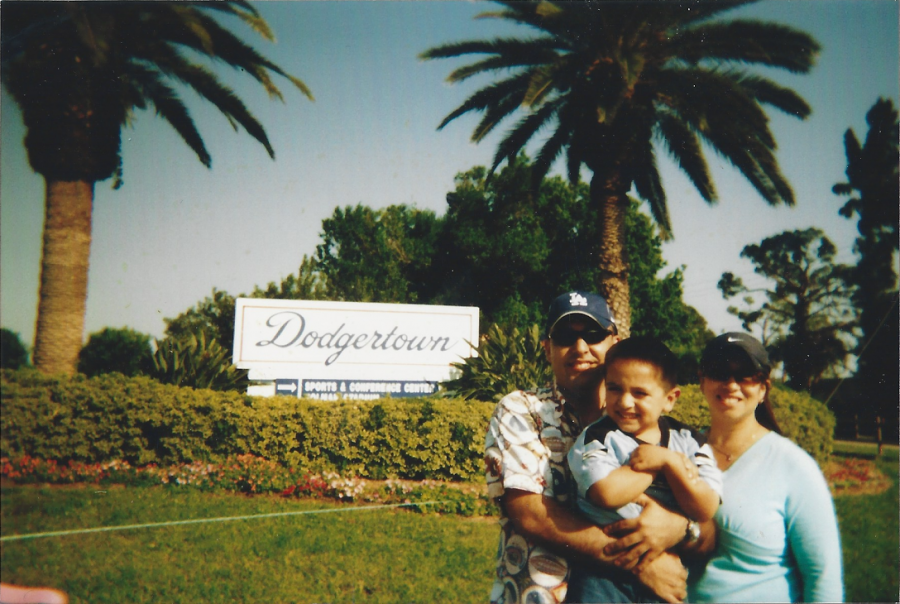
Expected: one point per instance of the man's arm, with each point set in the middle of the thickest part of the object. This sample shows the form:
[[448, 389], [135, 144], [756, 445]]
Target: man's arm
[[569, 535], [545, 520]]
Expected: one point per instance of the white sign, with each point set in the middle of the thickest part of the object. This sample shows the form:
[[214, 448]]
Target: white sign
[[311, 340]]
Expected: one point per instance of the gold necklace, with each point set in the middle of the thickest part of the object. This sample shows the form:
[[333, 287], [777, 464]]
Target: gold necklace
[[729, 457]]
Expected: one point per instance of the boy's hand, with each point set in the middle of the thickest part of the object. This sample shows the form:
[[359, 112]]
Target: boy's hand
[[650, 458]]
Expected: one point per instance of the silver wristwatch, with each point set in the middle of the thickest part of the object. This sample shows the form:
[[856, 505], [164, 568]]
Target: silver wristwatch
[[691, 533]]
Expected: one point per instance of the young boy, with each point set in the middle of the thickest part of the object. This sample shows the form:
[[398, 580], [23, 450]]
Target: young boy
[[635, 449]]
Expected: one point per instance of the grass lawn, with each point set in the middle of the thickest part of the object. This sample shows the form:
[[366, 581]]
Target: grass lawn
[[869, 532], [349, 556], [371, 555]]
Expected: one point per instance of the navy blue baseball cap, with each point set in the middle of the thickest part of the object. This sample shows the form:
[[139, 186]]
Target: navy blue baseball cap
[[592, 306]]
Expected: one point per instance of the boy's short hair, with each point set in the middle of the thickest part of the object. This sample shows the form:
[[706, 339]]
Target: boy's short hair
[[647, 350]]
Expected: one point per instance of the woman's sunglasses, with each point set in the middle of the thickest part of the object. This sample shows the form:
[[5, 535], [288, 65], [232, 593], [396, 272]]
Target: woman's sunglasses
[[568, 337], [724, 373]]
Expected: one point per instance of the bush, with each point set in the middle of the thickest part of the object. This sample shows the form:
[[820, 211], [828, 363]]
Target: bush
[[506, 361], [115, 350], [13, 353], [197, 362], [802, 418], [138, 420]]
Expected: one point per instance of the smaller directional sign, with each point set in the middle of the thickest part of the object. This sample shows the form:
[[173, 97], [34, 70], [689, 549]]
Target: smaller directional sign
[[287, 387], [333, 390]]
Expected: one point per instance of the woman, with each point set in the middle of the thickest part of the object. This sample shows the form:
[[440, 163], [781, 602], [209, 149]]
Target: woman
[[777, 532]]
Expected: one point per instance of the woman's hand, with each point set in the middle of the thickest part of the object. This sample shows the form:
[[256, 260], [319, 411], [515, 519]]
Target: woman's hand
[[643, 539]]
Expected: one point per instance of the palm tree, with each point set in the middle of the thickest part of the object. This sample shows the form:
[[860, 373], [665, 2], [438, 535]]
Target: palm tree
[[614, 80], [78, 71]]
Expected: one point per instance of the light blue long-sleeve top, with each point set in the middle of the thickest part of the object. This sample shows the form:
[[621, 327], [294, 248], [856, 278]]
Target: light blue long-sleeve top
[[778, 536]]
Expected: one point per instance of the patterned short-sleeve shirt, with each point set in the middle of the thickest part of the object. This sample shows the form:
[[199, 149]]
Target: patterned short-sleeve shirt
[[528, 438]]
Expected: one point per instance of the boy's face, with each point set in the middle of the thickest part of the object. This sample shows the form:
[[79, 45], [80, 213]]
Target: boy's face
[[636, 396]]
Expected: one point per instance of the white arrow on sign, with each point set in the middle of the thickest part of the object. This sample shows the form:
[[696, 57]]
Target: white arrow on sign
[[292, 387]]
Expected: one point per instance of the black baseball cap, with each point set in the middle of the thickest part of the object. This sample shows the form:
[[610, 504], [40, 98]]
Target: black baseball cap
[[720, 346], [591, 305]]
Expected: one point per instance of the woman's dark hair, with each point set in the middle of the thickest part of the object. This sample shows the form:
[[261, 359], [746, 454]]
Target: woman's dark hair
[[765, 413]]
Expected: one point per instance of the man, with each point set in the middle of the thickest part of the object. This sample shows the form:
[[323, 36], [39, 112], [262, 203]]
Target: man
[[525, 456]]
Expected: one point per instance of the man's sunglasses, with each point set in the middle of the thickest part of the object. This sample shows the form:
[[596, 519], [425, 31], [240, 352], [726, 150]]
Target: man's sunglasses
[[568, 337]]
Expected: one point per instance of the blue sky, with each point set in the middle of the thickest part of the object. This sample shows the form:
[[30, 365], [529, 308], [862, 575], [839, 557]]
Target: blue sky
[[176, 230]]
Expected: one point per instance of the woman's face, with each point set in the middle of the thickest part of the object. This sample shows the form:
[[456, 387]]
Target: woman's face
[[732, 392]]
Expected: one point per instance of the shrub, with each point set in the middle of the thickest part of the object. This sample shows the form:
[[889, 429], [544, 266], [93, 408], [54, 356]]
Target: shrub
[[803, 419], [138, 420], [506, 361], [197, 362], [123, 350], [13, 353]]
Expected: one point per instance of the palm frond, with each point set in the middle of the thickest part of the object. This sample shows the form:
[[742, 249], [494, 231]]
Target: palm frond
[[495, 113], [493, 94], [548, 153], [573, 165], [206, 36], [246, 13], [748, 41], [208, 86], [512, 47], [495, 64], [516, 139], [648, 184], [169, 107], [540, 84], [768, 92], [684, 146], [712, 100]]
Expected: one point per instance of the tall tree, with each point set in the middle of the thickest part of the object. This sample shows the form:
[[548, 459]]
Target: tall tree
[[873, 188], [78, 70], [807, 317], [508, 249], [384, 255], [610, 77]]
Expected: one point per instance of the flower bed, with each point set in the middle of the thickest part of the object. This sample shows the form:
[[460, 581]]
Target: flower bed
[[854, 476], [251, 474]]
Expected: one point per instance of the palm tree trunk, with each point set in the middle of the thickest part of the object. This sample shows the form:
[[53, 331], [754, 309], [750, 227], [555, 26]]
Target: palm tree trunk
[[612, 201], [64, 275]]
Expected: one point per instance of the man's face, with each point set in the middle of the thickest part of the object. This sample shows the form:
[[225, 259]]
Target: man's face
[[577, 351]]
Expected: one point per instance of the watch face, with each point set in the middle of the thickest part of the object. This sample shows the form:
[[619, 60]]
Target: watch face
[[693, 531]]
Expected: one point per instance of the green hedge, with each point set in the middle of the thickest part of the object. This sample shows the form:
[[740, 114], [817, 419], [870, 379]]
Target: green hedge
[[803, 419], [141, 421]]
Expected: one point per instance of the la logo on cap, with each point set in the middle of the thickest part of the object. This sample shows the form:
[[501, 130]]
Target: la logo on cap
[[576, 299]]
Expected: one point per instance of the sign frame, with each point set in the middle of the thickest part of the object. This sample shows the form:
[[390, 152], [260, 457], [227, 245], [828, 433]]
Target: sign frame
[[351, 341]]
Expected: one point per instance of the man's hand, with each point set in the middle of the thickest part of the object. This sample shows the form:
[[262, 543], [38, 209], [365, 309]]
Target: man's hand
[[666, 576], [643, 539]]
